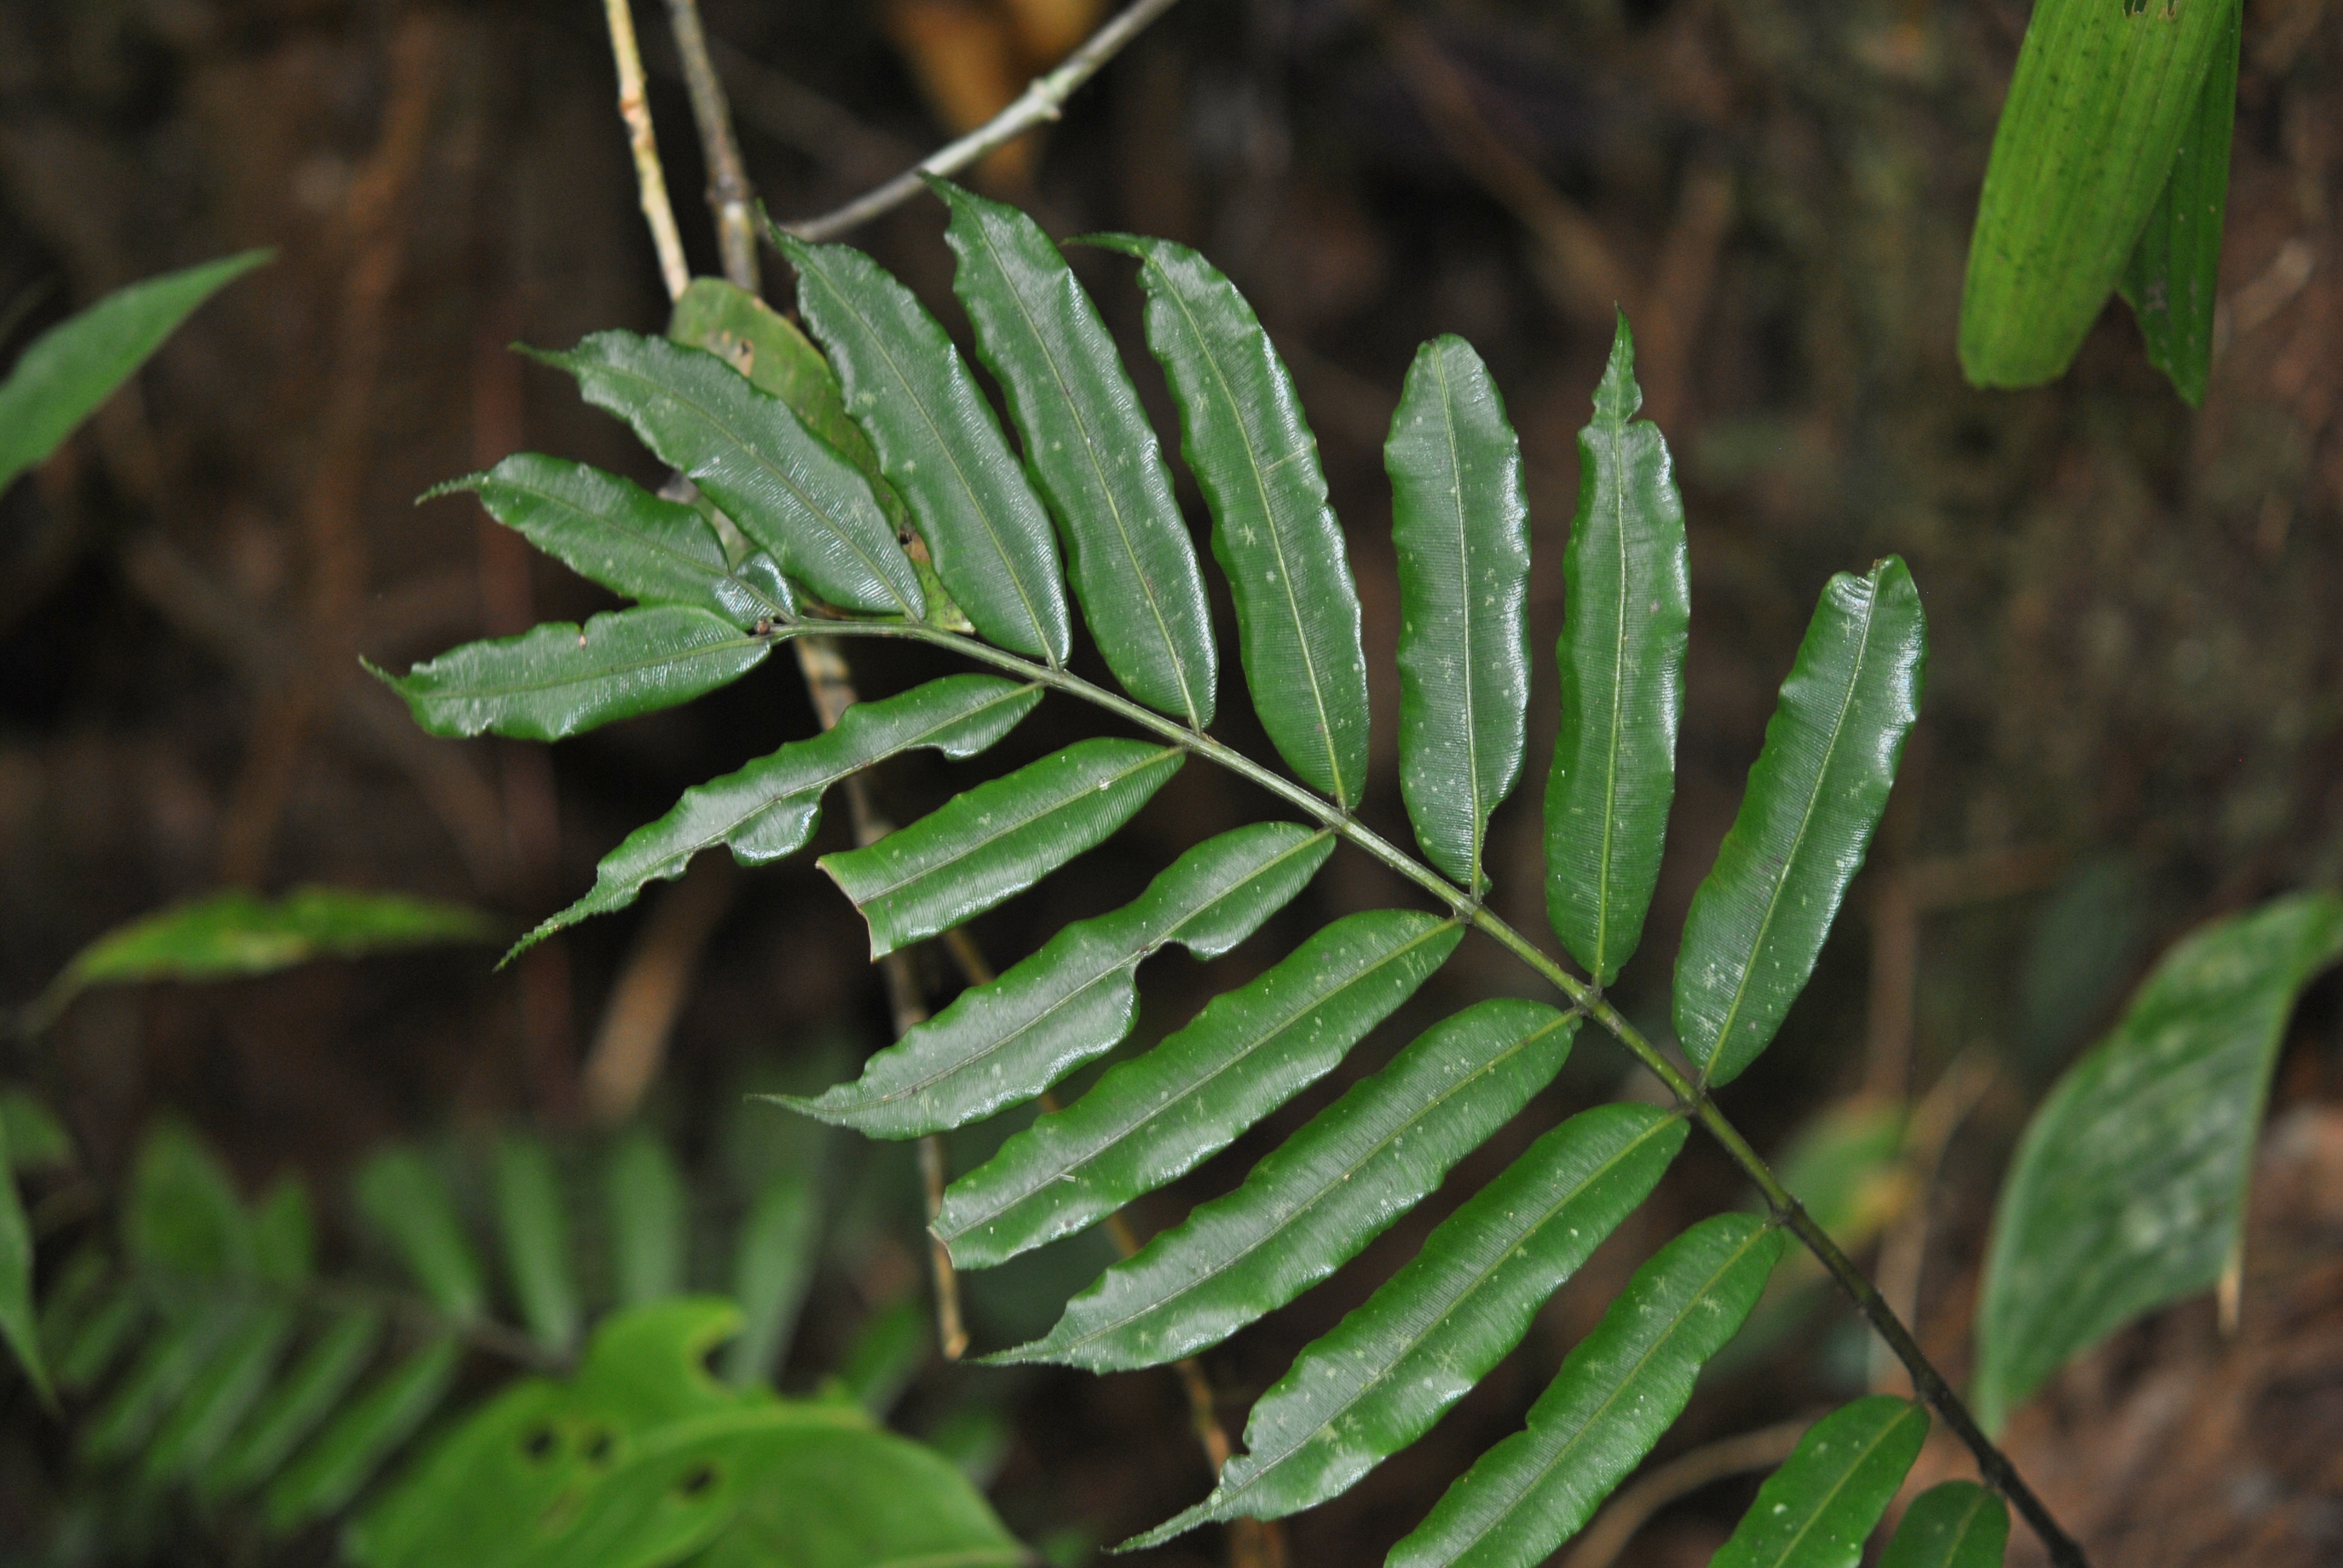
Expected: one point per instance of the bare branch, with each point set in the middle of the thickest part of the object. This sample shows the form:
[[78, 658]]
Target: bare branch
[[728, 182], [650, 179]]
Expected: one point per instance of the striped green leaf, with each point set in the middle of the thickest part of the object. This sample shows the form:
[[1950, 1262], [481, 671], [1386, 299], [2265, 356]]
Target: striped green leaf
[[612, 531], [994, 841], [773, 1268], [1006, 1041], [1819, 1508], [771, 808], [650, 1215], [1243, 432], [199, 1425], [408, 1203], [301, 1400], [787, 489], [1814, 794], [1628, 602], [2104, 93], [1460, 523], [1619, 1389], [2176, 267], [939, 447], [1954, 1525], [1153, 1118], [2129, 1190], [559, 680], [535, 1230], [1311, 1204], [1393, 1367], [345, 1455], [1090, 450]]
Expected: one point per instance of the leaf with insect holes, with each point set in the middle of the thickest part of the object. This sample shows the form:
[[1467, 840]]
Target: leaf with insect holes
[[1312, 1202], [1819, 1508], [1156, 1117], [994, 841], [1243, 435], [1090, 450], [1006, 1041]]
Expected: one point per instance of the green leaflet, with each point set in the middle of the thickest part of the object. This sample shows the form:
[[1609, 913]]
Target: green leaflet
[[312, 1388], [1001, 1043], [1957, 1524], [1628, 598], [36, 1140], [650, 1213], [787, 489], [405, 1199], [1090, 450], [1460, 523], [346, 1455], [1152, 1118], [156, 1381], [2129, 1190], [222, 1394], [2175, 267], [612, 531], [771, 1271], [18, 1325], [182, 1218], [1619, 1389], [1317, 1199], [2097, 111], [558, 679], [1393, 1367], [536, 1234], [938, 445], [994, 841], [885, 1356], [1814, 794], [1244, 437], [67, 371], [1819, 1508], [284, 1237], [770, 808]]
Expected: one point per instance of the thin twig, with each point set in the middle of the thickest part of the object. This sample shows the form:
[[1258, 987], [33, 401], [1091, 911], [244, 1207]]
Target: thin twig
[[1042, 101], [728, 182], [650, 179], [652, 986]]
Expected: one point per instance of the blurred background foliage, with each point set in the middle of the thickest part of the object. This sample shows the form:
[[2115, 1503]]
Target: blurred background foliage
[[2134, 717]]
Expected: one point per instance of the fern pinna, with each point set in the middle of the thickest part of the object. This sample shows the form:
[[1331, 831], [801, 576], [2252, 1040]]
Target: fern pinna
[[885, 500]]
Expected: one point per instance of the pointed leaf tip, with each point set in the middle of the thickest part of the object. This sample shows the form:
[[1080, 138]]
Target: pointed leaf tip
[[1616, 396]]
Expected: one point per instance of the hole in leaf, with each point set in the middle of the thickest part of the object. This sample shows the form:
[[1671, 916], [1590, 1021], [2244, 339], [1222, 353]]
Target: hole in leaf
[[597, 1447], [537, 1444], [697, 1480]]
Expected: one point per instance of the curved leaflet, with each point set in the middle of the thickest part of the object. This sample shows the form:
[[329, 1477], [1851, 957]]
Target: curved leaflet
[[1243, 432], [997, 839], [1628, 607], [1008, 1040], [938, 445], [1092, 452], [1310, 1205], [1819, 1508], [1152, 1118], [1619, 1389], [787, 489], [771, 808], [1957, 1524], [1814, 794], [1393, 1367]]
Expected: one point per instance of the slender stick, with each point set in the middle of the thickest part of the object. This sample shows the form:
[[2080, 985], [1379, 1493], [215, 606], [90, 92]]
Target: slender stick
[[1786, 1209], [727, 182], [650, 179], [1042, 101]]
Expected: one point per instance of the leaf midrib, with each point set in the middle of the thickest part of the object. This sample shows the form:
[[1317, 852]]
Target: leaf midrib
[[1470, 712], [1618, 426], [1813, 1517], [479, 693]]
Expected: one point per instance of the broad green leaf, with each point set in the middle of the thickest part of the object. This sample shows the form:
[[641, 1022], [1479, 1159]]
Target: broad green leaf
[[770, 808], [1957, 1524], [885, 1356], [301, 1400], [772, 1268], [650, 1213], [559, 680], [2129, 1190], [354, 1444], [1244, 437], [1006, 1041], [18, 1325], [1090, 450], [1627, 599], [159, 1377], [2174, 270], [1460, 523], [235, 933], [2096, 114], [1619, 1389], [406, 1201], [938, 445], [1393, 1367], [786, 489], [1814, 794], [1151, 1119], [612, 531], [36, 1140], [225, 1391], [284, 1236], [1819, 1508], [536, 1234], [997, 840], [182, 1219], [67, 371], [1312, 1202]]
